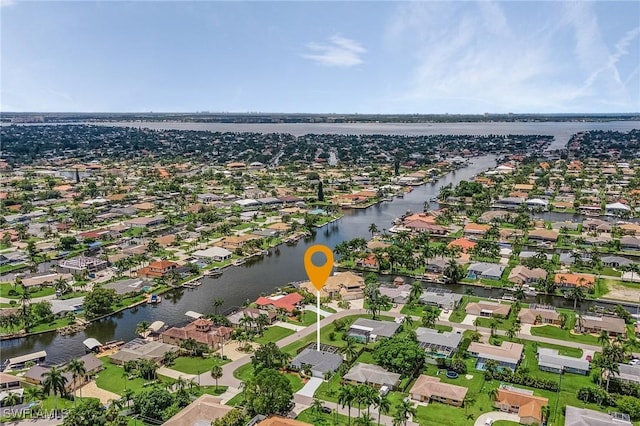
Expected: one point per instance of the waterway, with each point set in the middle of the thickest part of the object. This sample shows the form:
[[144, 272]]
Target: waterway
[[246, 282], [561, 130]]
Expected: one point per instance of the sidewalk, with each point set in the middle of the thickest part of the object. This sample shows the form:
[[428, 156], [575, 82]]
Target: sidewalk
[[289, 326]]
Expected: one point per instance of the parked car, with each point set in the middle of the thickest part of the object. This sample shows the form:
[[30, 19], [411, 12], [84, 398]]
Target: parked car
[[488, 422], [588, 358], [325, 409]]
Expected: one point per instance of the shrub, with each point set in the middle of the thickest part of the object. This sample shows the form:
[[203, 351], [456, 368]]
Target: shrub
[[507, 375], [595, 394], [630, 405], [12, 292]]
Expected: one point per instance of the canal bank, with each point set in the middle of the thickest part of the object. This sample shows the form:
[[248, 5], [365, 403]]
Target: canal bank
[[243, 283]]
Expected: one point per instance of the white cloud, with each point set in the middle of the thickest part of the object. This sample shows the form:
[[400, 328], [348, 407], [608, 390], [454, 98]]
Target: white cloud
[[338, 52], [475, 57]]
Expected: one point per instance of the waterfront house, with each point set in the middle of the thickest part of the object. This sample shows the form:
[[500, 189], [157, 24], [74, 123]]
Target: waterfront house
[[158, 269], [202, 411], [92, 365], [585, 417], [201, 330], [568, 280], [488, 309], [289, 302], [366, 330], [474, 230], [236, 319], [550, 360], [370, 374], [521, 402], [215, 254], [128, 286], [484, 270], [541, 234], [463, 243], [438, 344], [399, 294], [9, 382], [540, 315], [521, 275], [368, 262], [422, 226], [428, 388], [320, 362], [507, 355], [614, 326], [441, 299], [141, 349], [344, 285], [615, 261]]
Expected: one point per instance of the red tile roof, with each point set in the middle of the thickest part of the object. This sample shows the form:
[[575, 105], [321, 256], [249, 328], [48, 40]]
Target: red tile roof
[[287, 302]]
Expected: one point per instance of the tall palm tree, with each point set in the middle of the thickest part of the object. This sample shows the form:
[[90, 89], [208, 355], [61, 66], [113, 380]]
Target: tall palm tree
[[545, 412], [346, 396], [32, 394], [77, 370], [383, 404], [577, 294], [373, 228], [603, 338], [364, 420], [407, 321], [316, 406], [216, 373], [350, 349], [217, 302], [493, 394], [407, 410], [610, 368], [416, 291], [54, 382], [11, 399]]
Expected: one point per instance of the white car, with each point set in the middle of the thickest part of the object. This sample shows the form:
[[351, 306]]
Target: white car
[[488, 422], [634, 362]]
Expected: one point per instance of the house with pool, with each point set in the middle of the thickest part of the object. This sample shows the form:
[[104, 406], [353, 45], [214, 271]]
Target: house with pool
[[507, 355]]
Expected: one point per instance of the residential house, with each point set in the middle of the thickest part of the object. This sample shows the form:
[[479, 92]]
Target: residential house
[[428, 388], [630, 243], [628, 373], [277, 421], [399, 294], [289, 302], [484, 270], [507, 355], [541, 234], [158, 269], [82, 265], [589, 324], [202, 411], [434, 343], [201, 330], [237, 318], [145, 222], [441, 300], [488, 309], [370, 374], [475, 230], [521, 402], [568, 280], [235, 241], [92, 365], [550, 360], [366, 330], [539, 315], [320, 362], [141, 349], [369, 262], [585, 417], [133, 285], [345, 285], [9, 381], [596, 225], [616, 261], [463, 243], [215, 254], [521, 275], [422, 226]]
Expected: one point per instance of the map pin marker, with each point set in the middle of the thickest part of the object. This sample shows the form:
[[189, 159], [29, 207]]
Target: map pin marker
[[318, 274]]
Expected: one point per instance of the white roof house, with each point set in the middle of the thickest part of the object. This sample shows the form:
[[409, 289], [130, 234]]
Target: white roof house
[[215, 253], [618, 206]]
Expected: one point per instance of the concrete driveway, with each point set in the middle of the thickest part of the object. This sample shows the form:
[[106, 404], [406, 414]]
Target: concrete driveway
[[497, 415]]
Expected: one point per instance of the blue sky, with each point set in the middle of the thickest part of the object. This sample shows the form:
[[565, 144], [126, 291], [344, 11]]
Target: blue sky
[[326, 57]]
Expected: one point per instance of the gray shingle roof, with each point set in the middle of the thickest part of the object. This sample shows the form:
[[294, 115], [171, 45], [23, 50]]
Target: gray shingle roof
[[318, 360]]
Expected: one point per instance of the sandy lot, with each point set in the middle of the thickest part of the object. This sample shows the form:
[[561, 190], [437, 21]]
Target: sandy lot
[[90, 390], [620, 292]]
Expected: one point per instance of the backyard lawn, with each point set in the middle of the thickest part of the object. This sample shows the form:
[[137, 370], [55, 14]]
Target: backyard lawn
[[313, 418], [554, 332], [114, 379], [308, 318], [245, 373], [195, 365], [39, 291]]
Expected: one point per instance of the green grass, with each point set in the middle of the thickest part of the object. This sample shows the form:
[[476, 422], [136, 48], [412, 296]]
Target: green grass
[[308, 318], [459, 313], [246, 373], [195, 365], [273, 334], [114, 379], [311, 417], [504, 423], [416, 310], [33, 292], [213, 390], [58, 323], [236, 400], [8, 268], [554, 332]]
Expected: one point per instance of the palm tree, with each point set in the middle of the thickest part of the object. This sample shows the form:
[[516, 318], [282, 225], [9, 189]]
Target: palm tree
[[407, 410], [511, 333], [545, 412], [24, 299], [603, 339], [346, 396], [416, 291], [217, 302], [364, 420], [519, 294], [493, 325], [54, 382], [11, 399], [142, 328], [577, 294], [493, 394], [350, 349], [316, 406], [407, 321], [383, 404], [373, 229], [32, 394], [610, 367], [77, 369], [216, 373]]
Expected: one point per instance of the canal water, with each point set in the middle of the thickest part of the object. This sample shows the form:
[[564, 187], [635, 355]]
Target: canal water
[[241, 283]]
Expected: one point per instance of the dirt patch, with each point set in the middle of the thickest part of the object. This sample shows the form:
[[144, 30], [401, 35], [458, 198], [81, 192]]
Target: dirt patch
[[620, 292], [90, 390]]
